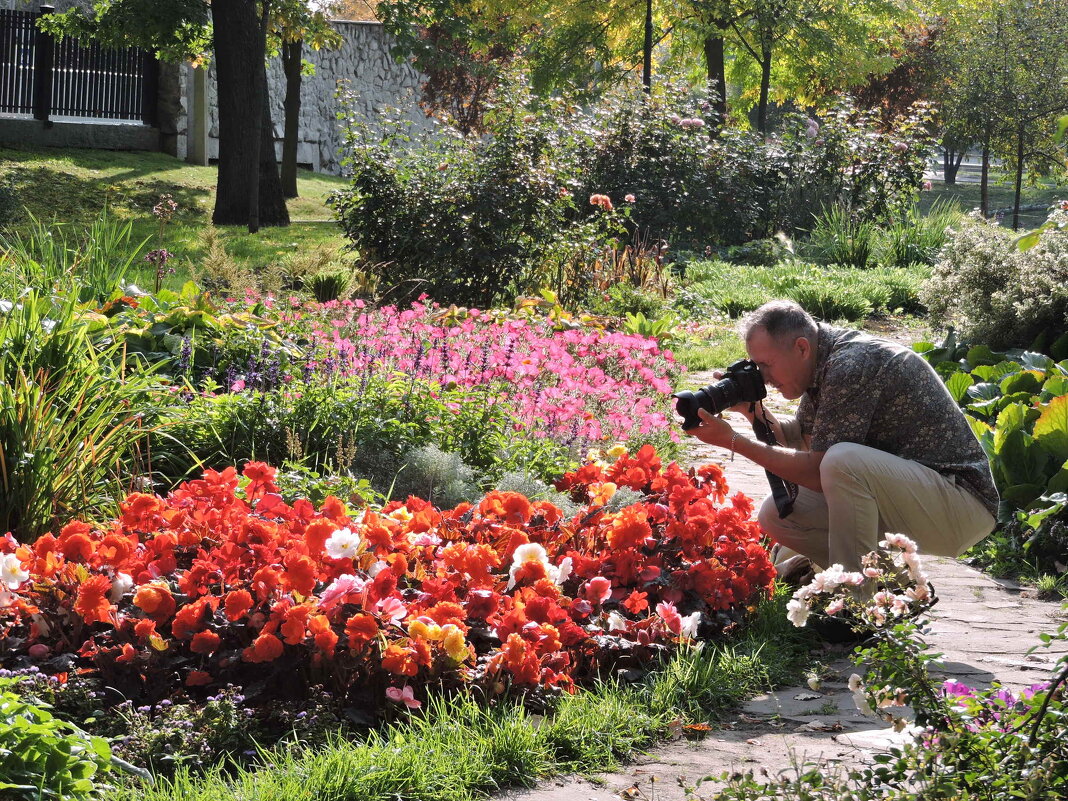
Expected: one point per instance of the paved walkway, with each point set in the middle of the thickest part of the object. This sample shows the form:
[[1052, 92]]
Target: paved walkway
[[983, 628]]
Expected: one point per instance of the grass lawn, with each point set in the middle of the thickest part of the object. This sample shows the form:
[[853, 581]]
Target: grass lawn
[[72, 186], [1001, 197]]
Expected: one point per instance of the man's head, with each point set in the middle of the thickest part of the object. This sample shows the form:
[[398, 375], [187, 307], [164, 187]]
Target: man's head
[[780, 337]]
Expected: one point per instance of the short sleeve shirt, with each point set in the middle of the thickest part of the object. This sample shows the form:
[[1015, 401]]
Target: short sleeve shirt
[[874, 392]]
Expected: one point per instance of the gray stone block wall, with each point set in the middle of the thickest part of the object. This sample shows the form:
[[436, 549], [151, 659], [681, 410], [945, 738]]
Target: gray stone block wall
[[362, 66]]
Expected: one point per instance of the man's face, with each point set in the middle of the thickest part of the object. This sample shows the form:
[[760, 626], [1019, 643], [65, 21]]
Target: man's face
[[786, 366]]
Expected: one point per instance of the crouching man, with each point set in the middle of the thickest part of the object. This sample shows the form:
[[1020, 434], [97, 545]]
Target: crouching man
[[878, 445]]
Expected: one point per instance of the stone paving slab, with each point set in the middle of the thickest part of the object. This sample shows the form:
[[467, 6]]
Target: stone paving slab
[[984, 629]]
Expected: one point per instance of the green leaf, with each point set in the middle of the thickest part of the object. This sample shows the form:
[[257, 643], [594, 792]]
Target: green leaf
[[1051, 428], [1059, 349], [1059, 482], [1026, 381], [958, 385], [1029, 240], [923, 347], [1021, 495], [1055, 386], [987, 372], [1014, 417], [983, 355], [1062, 129]]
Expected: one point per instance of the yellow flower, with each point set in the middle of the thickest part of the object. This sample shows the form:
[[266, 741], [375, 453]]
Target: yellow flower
[[423, 630], [454, 643], [617, 450]]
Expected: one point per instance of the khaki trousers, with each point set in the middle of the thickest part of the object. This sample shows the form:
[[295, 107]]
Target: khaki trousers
[[868, 493]]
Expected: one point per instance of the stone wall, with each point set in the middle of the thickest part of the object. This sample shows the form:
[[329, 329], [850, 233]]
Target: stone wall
[[362, 66]]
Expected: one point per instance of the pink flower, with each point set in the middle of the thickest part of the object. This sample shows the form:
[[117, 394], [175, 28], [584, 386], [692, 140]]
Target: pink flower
[[629, 198], [598, 590], [405, 696], [238, 385], [671, 617]]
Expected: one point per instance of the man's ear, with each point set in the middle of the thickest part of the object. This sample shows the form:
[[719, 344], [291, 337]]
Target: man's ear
[[803, 346]]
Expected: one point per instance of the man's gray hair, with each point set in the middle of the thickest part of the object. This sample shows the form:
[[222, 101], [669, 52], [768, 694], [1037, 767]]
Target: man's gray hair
[[784, 321]]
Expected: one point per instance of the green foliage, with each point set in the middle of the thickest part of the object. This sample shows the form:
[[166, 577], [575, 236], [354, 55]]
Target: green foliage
[[761, 252], [623, 299], [917, 238], [71, 418], [327, 286], [10, 206], [1017, 402], [396, 433], [831, 293], [48, 257], [838, 237], [999, 294], [471, 220], [42, 757], [441, 478]]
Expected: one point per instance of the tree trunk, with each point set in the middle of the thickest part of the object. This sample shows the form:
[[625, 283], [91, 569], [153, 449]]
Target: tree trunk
[[647, 49], [765, 85], [951, 161], [291, 60], [717, 77], [1019, 177], [984, 181], [246, 193]]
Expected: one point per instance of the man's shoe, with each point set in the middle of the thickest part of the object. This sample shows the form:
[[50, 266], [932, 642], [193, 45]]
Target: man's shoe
[[839, 631], [797, 571]]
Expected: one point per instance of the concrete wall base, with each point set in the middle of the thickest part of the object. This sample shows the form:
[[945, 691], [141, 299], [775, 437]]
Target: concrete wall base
[[16, 132]]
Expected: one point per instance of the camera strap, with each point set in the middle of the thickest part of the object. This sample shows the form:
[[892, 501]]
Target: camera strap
[[783, 492]]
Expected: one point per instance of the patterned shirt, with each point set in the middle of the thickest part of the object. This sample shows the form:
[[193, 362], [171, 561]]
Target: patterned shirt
[[876, 393]]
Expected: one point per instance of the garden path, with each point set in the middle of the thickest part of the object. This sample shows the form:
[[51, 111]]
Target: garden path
[[984, 629]]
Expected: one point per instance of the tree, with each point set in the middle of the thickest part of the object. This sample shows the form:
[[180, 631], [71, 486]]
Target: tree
[[292, 25], [1007, 84], [249, 190]]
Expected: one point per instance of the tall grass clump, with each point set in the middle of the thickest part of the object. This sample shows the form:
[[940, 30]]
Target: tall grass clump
[[50, 257], [71, 418], [916, 238], [839, 237]]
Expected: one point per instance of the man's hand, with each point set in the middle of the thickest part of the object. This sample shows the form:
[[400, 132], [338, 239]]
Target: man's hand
[[743, 408], [712, 430]]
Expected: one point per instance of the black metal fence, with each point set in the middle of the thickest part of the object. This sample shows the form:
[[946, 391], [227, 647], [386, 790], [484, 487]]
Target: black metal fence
[[46, 78]]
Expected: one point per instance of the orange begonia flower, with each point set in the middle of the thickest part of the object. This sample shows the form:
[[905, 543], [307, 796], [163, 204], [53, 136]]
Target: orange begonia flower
[[325, 637], [198, 678], [264, 648], [400, 660], [300, 574], [92, 602], [316, 533], [361, 629], [129, 654], [156, 600], [205, 642], [237, 604]]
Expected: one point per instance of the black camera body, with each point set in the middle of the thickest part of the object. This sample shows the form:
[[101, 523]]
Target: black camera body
[[741, 383]]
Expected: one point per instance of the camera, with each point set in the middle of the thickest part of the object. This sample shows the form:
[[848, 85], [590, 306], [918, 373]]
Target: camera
[[741, 383]]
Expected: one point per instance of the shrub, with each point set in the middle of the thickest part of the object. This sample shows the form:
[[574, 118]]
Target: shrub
[[71, 418], [42, 757], [472, 220], [995, 292], [761, 252]]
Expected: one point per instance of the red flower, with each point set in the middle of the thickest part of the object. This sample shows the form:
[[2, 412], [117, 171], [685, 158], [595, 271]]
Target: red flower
[[400, 660], [325, 638], [629, 529], [301, 574], [265, 648], [361, 629], [92, 602], [237, 604], [205, 642], [636, 603]]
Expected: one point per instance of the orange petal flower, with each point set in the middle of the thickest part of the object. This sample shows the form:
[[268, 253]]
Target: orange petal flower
[[92, 602]]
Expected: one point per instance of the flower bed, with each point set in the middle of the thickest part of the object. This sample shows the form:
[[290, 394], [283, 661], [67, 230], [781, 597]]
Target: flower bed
[[224, 583]]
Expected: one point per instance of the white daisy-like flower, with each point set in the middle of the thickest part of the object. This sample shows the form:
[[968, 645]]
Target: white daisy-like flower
[[11, 573], [561, 573], [343, 544], [616, 622]]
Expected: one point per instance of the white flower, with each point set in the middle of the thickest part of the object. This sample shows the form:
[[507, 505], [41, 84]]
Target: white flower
[[11, 572], [836, 606], [616, 622], [690, 623], [560, 574], [899, 541], [856, 683], [872, 572], [797, 612], [343, 544], [530, 552], [6, 598], [921, 592], [814, 683], [122, 584], [377, 568]]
